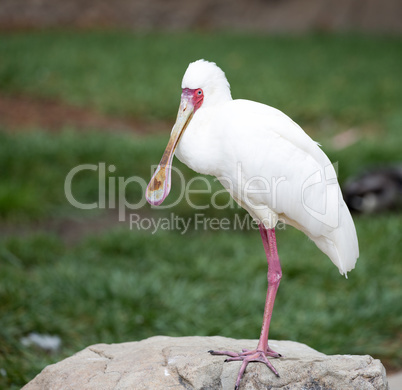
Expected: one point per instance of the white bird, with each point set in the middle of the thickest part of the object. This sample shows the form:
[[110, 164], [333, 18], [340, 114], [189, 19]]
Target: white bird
[[269, 165]]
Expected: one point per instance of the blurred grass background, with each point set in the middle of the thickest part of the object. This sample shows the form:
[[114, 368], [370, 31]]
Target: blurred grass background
[[119, 284]]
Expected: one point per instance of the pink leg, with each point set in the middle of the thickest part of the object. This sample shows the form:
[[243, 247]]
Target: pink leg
[[274, 277]]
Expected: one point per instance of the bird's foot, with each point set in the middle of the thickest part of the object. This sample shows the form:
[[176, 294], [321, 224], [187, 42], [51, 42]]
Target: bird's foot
[[247, 356], [268, 352]]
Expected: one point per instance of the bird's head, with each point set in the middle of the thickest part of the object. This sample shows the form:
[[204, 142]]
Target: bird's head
[[210, 79], [204, 85]]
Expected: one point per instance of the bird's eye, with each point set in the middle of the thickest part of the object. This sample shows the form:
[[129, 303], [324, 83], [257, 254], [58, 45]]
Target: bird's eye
[[199, 92]]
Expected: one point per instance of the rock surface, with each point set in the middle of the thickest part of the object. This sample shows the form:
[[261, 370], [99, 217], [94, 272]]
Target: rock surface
[[184, 363]]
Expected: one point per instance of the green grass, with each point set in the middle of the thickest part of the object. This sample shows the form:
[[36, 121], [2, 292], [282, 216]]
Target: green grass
[[124, 284], [128, 285], [35, 166], [346, 78]]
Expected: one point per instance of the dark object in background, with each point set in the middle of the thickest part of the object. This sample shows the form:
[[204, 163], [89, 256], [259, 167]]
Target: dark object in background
[[374, 191]]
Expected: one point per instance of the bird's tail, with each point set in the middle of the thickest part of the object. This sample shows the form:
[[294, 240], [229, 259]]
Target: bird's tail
[[341, 243]]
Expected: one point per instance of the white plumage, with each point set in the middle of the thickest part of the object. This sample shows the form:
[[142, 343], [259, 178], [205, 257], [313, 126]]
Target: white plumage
[[226, 136], [270, 166]]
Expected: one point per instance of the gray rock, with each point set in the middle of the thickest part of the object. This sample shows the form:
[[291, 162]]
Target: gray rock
[[184, 363]]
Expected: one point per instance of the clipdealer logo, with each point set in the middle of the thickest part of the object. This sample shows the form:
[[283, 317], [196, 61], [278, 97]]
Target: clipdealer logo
[[112, 194]]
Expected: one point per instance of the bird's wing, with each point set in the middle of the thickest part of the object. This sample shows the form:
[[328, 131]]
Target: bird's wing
[[276, 154], [278, 122]]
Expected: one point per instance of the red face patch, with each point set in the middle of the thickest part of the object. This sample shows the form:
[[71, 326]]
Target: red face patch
[[196, 96]]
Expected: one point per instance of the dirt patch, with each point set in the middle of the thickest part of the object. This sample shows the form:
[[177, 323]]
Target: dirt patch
[[70, 230], [22, 113], [254, 15]]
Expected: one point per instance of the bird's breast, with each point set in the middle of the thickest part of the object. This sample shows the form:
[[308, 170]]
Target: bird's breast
[[201, 148]]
